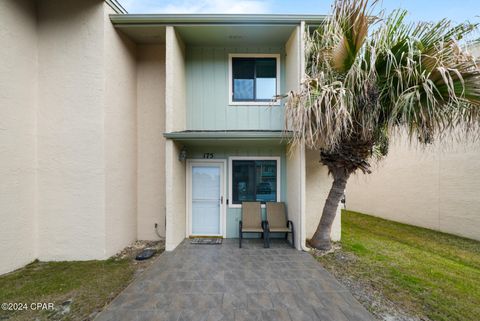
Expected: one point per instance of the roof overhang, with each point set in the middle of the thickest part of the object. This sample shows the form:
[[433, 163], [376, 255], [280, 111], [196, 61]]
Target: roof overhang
[[213, 29], [215, 19]]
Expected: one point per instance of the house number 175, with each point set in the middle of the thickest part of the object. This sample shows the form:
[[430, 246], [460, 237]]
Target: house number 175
[[208, 155]]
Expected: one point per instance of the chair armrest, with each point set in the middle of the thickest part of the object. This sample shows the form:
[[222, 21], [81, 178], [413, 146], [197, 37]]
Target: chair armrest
[[289, 223]]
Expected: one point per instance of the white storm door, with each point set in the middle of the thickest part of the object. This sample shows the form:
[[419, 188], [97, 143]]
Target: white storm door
[[206, 198]]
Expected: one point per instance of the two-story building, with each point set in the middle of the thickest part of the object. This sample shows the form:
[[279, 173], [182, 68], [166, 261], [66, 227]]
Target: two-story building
[[127, 126]]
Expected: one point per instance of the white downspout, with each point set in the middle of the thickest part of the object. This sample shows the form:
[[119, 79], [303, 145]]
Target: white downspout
[[303, 196]]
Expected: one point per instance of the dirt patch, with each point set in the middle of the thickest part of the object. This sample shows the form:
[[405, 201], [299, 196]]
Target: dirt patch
[[130, 252], [366, 293]]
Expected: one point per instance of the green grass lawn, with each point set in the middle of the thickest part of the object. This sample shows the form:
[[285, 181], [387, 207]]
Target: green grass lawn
[[89, 284], [426, 273]]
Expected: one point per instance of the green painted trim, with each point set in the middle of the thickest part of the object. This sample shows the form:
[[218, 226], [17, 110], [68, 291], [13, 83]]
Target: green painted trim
[[222, 19], [230, 135], [115, 5]]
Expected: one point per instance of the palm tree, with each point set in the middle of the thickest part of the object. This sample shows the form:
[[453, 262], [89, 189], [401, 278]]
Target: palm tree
[[369, 78]]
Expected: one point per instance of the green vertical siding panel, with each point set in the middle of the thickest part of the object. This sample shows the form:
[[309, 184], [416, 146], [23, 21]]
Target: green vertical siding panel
[[231, 113], [190, 83], [220, 74], [195, 95], [278, 118], [207, 92], [264, 114], [208, 72]]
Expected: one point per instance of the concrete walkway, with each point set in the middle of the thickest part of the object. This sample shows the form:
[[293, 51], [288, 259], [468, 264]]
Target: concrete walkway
[[223, 282]]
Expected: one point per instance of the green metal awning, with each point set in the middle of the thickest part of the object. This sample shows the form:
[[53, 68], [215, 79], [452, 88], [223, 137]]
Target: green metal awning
[[229, 135]]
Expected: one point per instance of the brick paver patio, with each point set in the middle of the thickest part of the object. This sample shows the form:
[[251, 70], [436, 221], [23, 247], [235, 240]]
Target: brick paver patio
[[223, 282]]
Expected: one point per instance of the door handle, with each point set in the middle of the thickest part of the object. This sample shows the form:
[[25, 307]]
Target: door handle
[[221, 200]]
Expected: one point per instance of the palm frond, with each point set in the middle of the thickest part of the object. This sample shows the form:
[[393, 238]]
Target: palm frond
[[365, 81], [351, 19]]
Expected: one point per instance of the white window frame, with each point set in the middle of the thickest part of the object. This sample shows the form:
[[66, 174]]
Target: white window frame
[[230, 176], [230, 80]]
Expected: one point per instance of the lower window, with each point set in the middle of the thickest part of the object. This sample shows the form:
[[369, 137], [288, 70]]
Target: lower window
[[254, 180]]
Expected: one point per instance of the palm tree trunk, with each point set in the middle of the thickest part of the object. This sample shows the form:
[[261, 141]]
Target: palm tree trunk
[[321, 238]]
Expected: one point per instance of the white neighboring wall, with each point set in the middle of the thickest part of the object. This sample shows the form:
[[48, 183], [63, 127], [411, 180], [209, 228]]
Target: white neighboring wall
[[18, 62], [475, 50], [438, 188]]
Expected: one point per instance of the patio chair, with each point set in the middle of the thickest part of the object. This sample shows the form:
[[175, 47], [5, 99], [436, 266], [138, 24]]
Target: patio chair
[[277, 221], [251, 221]]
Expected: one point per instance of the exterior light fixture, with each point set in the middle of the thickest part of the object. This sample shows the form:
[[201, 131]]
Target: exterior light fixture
[[183, 154]]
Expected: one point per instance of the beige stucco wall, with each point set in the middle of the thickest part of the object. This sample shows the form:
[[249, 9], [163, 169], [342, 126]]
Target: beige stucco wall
[[295, 167], [437, 188], [295, 192], [18, 61], [86, 132], [292, 60], [69, 134], [175, 78], [175, 200], [71, 117], [175, 120], [307, 196], [120, 134], [475, 50], [318, 184], [150, 140]]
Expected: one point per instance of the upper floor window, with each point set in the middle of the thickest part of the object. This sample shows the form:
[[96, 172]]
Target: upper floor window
[[254, 79]]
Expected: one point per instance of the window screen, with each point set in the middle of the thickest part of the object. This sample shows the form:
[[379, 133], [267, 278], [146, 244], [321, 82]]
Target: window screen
[[254, 180], [254, 79]]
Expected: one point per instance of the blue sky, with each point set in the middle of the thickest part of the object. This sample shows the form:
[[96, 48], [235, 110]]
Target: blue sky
[[427, 10]]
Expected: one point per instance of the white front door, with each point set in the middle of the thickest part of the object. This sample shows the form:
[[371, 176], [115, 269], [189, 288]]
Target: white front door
[[206, 185]]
